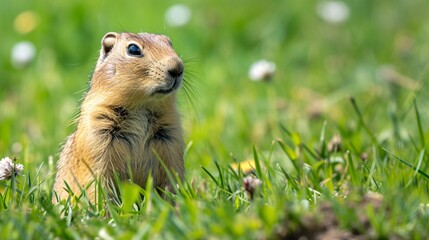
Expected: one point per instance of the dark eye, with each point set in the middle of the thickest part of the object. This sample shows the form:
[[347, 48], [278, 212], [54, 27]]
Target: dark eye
[[134, 50]]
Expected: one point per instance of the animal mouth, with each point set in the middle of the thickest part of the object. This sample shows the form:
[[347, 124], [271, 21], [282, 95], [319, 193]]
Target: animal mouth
[[171, 87]]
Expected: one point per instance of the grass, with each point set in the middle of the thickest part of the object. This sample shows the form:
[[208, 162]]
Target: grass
[[363, 80]]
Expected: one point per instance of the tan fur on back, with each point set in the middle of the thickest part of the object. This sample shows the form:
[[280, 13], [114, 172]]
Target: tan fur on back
[[127, 118]]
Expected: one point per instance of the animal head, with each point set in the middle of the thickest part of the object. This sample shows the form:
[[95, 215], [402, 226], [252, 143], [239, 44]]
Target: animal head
[[137, 68]]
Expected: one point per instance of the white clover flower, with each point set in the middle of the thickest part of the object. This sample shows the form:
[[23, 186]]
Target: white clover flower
[[305, 204], [178, 15], [424, 207], [7, 168], [334, 144], [333, 11], [103, 234], [262, 70], [251, 185], [22, 54]]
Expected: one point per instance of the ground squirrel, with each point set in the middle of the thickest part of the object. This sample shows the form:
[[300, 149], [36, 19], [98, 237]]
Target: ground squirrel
[[128, 120]]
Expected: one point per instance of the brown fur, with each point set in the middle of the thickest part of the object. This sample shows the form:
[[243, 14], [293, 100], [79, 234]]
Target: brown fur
[[128, 118]]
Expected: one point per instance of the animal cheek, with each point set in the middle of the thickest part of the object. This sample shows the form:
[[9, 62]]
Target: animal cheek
[[110, 70], [148, 83]]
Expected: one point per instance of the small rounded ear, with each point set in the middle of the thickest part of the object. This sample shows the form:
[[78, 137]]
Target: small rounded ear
[[107, 43]]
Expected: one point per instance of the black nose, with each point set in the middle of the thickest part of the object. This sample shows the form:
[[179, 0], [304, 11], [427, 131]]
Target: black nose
[[175, 67], [175, 72]]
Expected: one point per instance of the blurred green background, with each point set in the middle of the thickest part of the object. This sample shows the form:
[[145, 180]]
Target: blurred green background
[[378, 54]]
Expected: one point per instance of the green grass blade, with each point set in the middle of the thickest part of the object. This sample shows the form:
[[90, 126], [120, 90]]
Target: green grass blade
[[352, 170], [221, 179], [308, 150], [322, 141], [420, 161], [290, 179], [173, 180], [285, 130], [419, 124], [408, 164], [211, 176], [257, 163], [290, 154], [371, 171], [362, 122]]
